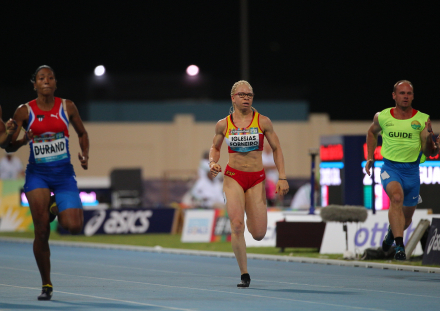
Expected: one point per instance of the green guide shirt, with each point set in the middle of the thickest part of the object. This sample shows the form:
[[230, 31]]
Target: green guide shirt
[[401, 138]]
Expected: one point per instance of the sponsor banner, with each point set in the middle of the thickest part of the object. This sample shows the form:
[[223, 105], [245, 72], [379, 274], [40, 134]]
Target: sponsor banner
[[214, 226], [431, 256], [270, 237], [272, 218], [198, 225], [221, 231], [13, 216], [126, 221], [368, 234]]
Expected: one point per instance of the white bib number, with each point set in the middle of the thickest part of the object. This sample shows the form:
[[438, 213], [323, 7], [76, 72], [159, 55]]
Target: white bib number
[[244, 140], [50, 148]]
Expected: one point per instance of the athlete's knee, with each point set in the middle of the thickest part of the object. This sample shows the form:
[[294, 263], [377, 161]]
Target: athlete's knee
[[42, 233], [396, 198], [75, 227], [258, 235], [75, 230], [237, 227]]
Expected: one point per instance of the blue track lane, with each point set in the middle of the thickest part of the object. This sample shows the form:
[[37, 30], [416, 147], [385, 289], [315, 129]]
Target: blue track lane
[[108, 279]]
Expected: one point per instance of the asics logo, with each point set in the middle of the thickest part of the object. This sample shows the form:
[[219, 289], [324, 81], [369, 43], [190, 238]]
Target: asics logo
[[434, 244], [54, 115]]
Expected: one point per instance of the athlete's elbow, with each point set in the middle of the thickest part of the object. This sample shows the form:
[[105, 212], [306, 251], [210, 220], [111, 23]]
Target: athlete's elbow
[[83, 134], [8, 147]]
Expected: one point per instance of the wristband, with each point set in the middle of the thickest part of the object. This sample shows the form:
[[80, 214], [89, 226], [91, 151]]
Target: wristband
[[282, 178]]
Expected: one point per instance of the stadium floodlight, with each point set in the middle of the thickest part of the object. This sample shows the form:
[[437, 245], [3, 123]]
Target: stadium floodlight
[[192, 70], [99, 70]]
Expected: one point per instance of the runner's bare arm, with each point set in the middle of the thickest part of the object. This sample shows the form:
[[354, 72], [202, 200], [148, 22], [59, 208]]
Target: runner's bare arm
[[20, 118], [3, 133], [214, 152], [274, 142], [372, 133], [75, 120], [429, 147]]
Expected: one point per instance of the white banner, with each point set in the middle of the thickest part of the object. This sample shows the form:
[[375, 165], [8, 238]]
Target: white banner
[[197, 226], [368, 234], [272, 218]]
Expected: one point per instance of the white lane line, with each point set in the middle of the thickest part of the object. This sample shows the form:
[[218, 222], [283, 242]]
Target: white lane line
[[259, 280], [228, 277], [209, 290], [97, 297]]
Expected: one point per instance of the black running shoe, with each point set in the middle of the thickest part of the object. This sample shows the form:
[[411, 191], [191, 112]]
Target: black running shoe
[[52, 203], [46, 293], [388, 241], [245, 280], [400, 253]]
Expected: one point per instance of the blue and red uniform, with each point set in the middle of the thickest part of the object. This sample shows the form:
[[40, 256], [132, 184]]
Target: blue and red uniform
[[49, 160]]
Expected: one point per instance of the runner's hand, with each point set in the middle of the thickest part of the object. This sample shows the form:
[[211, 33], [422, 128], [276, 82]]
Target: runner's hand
[[431, 140], [368, 165], [282, 187], [215, 168], [428, 126], [84, 161], [11, 127], [28, 136]]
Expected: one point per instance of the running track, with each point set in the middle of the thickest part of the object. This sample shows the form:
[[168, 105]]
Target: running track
[[105, 277]]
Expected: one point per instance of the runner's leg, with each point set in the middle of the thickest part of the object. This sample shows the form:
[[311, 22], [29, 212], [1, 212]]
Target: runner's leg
[[256, 211], [38, 202], [235, 204]]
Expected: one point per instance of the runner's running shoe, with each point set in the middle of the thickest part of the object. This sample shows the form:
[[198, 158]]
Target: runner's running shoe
[[400, 253], [245, 280], [46, 293], [388, 241]]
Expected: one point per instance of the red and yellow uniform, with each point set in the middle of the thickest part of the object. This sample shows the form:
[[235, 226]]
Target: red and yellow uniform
[[250, 138], [245, 139]]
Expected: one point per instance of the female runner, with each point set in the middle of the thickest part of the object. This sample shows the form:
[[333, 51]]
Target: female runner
[[46, 120], [244, 181]]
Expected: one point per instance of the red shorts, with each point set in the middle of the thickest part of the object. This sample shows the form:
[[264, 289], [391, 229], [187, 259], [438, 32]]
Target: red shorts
[[245, 179]]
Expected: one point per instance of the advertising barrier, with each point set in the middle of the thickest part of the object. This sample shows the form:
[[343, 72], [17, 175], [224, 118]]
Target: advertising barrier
[[431, 256], [13, 216], [198, 225], [126, 221], [214, 226], [368, 234]]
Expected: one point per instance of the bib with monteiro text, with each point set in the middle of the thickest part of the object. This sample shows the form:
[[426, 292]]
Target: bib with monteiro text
[[401, 138]]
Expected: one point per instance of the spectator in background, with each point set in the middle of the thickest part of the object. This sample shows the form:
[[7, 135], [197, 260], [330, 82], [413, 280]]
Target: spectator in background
[[204, 163], [271, 174], [207, 191], [301, 199], [11, 167]]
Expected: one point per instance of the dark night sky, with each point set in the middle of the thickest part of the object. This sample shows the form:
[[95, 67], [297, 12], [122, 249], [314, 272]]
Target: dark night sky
[[343, 57]]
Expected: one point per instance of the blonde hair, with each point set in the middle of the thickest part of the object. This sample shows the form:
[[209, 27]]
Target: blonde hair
[[234, 88]]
